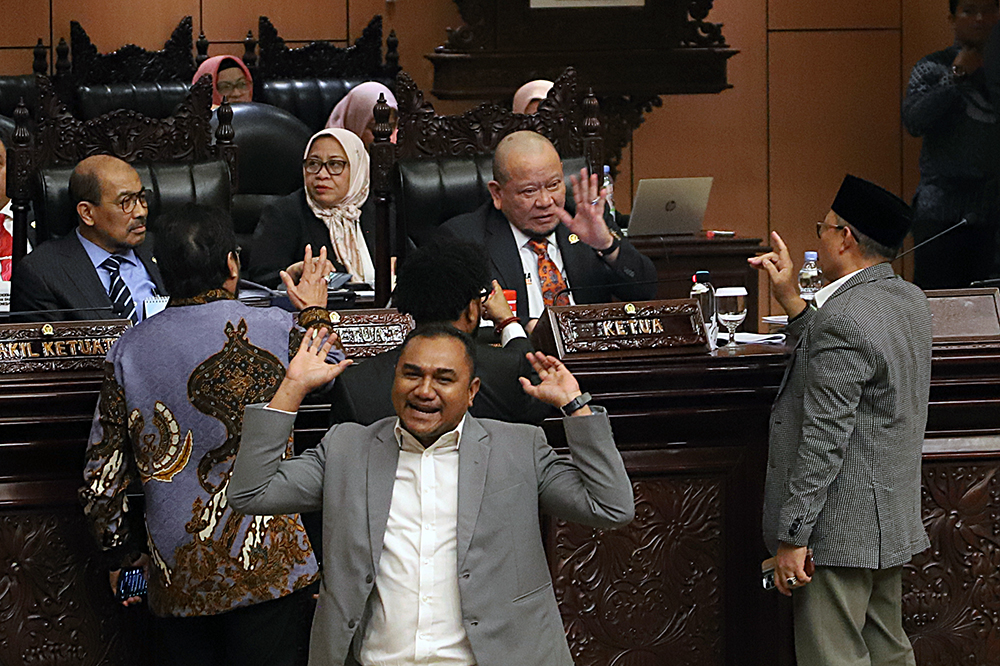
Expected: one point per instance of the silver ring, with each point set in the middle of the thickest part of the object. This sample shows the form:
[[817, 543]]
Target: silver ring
[[792, 581], [329, 276], [594, 202]]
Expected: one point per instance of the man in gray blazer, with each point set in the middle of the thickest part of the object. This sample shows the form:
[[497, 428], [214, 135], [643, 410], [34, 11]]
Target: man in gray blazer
[[847, 428], [431, 518]]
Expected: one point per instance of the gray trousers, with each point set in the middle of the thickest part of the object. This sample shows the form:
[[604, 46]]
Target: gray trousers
[[851, 617]]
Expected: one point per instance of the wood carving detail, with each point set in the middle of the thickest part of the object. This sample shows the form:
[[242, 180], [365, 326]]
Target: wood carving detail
[[362, 60], [55, 607], [649, 593], [423, 134], [131, 63], [63, 139], [698, 32], [951, 592]]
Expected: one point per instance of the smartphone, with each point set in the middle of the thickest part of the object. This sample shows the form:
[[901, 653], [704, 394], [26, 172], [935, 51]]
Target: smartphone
[[131, 583]]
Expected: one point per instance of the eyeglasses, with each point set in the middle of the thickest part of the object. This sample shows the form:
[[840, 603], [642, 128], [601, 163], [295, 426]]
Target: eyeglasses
[[485, 293], [226, 87], [821, 224], [978, 12], [130, 199], [333, 167]]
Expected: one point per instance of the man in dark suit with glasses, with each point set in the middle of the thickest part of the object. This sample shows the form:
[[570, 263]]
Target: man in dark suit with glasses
[[100, 270]]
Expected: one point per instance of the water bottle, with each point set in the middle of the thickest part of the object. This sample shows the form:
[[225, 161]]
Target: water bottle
[[609, 185], [810, 277], [704, 292]]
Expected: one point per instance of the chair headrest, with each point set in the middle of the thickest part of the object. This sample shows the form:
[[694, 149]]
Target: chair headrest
[[428, 193], [155, 100], [310, 100], [271, 142], [169, 185]]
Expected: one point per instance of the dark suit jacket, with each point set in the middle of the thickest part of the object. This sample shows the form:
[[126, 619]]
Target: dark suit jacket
[[58, 275], [362, 394], [284, 230], [632, 278]]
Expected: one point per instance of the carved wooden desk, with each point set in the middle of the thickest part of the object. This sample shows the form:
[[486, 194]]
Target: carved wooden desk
[[679, 585]]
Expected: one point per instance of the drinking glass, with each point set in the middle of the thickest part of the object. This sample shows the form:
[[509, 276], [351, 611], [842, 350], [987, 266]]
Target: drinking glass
[[731, 304]]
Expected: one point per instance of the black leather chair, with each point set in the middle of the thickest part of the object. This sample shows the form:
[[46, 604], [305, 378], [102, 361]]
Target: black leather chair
[[6, 126], [428, 193], [271, 142], [15, 88], [154, 100], [169, 185], [309, 100]]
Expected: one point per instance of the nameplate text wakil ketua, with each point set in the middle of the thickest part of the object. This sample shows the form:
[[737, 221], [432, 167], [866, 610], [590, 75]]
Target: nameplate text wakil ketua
[[57, 346]]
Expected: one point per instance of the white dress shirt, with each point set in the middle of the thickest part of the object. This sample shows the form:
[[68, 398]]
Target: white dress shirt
[[415, 614], [529, 262], [826, 292]]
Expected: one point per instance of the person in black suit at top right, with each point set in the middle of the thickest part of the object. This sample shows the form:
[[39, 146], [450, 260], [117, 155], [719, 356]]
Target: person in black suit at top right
[[448, 283], [537, 248]]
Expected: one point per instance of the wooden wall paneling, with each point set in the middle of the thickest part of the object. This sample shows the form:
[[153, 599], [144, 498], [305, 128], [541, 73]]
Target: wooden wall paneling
[[822, 14], [23, 23], [229, 20], [724, 135], [834, 109], [113, 23], [14, 62]]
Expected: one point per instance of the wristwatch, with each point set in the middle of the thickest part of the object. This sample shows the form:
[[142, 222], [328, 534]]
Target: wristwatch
[[608, 251], [575, 404]]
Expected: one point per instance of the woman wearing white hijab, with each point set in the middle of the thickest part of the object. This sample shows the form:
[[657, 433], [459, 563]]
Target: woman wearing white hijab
[[355, 111], [528, 96], [326, 212]]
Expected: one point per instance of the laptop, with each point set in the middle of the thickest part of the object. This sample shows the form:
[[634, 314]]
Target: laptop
[[669, 206]]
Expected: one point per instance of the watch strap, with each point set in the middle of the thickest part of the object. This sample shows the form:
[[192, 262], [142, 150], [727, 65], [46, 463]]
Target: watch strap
[[576, 404]]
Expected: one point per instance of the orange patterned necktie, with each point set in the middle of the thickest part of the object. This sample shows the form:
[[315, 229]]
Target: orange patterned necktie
[[552, 283]]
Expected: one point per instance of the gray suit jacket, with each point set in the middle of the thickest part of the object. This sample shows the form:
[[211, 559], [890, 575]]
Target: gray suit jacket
[[507, 473], [847, 427]]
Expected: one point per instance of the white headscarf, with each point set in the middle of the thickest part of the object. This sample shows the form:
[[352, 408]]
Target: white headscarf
[[343, 219], [529, 92]]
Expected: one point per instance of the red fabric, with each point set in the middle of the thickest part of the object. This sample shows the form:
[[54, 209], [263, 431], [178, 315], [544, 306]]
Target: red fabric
[[551, 279], [6, 250]]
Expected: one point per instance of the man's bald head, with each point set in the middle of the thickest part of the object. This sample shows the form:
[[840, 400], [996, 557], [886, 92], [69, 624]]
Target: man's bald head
[[519, 145], [85, 184]]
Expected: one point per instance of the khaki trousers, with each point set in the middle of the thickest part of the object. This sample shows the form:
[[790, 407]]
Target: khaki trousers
[[851, 617]]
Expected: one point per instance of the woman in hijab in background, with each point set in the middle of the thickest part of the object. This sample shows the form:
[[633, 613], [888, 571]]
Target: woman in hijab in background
[[354, 112], [325, 213], [230, 79], [528, 96]]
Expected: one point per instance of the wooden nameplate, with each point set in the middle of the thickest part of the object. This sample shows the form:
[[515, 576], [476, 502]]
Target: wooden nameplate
[[58, 346], [642, 328], [965, 315], [365, 333]]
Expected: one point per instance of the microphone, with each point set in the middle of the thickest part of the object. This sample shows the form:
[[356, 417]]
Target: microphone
[[970, 218]]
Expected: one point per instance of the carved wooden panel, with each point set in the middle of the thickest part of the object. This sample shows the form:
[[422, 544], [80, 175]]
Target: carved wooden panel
[[422, 133], [55, 604], [951, 591], [187, 135], [362, 60], [132, 63], [649, 593]]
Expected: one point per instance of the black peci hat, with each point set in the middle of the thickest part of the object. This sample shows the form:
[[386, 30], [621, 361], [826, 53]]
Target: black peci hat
[[875, 212]]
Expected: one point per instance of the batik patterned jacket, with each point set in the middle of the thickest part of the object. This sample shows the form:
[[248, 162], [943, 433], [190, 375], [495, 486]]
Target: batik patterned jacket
[[170, 415]]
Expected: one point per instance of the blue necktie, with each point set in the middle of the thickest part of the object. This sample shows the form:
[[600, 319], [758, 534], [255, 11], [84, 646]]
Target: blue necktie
[[121, 297]]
